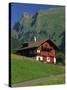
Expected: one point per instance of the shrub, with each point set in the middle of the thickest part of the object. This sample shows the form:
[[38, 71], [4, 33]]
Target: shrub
[[60, 58]]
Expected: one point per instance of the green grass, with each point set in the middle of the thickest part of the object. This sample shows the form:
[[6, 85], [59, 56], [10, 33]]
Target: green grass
[[56, 80], [23, 69]]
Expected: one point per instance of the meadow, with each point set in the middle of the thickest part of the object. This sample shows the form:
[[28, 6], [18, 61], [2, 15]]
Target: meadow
[[55, 81], [24, 69]]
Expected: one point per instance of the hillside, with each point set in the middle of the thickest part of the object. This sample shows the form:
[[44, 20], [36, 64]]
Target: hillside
[[24, 69], [43, 24]]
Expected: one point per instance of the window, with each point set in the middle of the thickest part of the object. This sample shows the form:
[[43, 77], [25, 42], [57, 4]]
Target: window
[[38, 51]]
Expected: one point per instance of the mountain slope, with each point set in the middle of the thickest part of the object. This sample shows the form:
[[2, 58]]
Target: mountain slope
[[43, 24]]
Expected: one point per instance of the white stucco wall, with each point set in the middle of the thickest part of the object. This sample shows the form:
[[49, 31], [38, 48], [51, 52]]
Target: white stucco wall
[[37, 58], [54, 60], [41, 58]]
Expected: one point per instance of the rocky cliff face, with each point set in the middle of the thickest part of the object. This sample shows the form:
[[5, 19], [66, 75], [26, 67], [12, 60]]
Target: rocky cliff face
[[43, 24]]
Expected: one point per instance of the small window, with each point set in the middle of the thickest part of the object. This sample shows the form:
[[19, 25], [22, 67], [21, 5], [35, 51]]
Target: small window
[[38, 51]]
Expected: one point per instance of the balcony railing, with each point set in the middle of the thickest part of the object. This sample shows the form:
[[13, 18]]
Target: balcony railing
[[46, 49]]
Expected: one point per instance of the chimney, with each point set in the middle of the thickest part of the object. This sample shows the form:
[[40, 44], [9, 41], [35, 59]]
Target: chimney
[[34, 39]]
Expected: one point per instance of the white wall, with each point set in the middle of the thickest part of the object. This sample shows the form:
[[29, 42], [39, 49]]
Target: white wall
[[54, 60]]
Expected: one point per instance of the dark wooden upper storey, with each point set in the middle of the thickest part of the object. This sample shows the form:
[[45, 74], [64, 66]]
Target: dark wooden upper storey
[[46, 47]]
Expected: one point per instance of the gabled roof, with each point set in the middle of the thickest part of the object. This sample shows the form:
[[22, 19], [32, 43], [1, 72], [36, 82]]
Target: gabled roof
[[37, 44]]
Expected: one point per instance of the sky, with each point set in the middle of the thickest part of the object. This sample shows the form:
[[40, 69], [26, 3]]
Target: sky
[[17, 10]]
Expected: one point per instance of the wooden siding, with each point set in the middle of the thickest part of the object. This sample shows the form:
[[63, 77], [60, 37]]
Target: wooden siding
[[47, 51]]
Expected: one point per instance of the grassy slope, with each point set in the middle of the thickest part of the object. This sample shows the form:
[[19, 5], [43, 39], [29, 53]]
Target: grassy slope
[[23, 69], [59, 80]]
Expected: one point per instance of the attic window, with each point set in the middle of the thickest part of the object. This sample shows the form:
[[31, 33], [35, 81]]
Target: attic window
[[46, 45]]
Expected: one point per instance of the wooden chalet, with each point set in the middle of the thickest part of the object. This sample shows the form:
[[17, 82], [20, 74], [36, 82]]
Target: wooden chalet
[[43, 50]]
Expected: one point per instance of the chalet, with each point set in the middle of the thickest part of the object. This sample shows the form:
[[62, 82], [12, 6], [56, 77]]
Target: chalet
[[43, 50]]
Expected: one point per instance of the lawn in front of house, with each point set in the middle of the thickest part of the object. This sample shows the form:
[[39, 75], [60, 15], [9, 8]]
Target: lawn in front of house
[[24, 69]]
